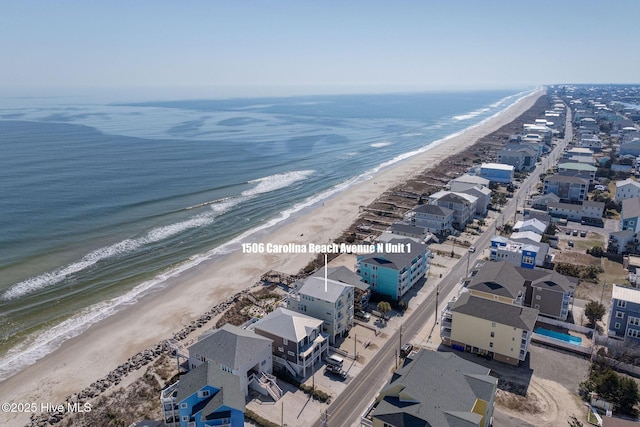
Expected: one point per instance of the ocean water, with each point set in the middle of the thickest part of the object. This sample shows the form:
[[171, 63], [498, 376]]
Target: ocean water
[[102, 202]]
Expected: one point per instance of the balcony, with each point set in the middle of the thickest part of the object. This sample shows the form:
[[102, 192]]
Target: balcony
[[445, 332]]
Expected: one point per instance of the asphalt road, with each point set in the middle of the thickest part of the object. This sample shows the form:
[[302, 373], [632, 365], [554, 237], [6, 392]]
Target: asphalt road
[[354, 400]]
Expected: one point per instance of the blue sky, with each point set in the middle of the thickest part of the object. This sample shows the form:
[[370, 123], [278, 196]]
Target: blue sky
[[283, 47]]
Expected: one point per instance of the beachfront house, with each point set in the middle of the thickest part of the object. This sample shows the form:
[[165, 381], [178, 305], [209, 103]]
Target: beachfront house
[[521, 157], [393, 272], [406, 230], [464, 206], [299, 343], [436, 389], [568, 188], [467, 181], [328, 300], [497, 172], [206, 396], [627, 189], [435, 219], [361, 290], [490, 328], [624, 317], [545, 290], [243, 353]]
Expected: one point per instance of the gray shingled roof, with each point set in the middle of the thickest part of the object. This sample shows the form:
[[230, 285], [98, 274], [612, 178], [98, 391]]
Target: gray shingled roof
[[211, 374], [547, 279], [444, 386], [230, 346], [433, 210], [405, 228], [504, 279], [316, 287], [344, 275], [498, 278], [288, 324], [506, 314]]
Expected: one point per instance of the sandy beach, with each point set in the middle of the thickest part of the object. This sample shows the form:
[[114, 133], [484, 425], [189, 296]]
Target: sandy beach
[[82, 360]]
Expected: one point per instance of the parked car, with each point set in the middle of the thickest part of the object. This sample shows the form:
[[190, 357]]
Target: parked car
[[571, 243], [332, 369], [575, 232], [362, 315], [406, 349], [472, 249], [567, 232], [583, 233]]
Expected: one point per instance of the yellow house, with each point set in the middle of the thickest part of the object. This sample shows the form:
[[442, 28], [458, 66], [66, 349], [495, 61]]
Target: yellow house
[[499, 330], [437, 389]]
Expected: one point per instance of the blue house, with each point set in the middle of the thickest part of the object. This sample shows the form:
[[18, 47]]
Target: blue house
[[497, 172], [396, 268], [206, 396], [624, 321]]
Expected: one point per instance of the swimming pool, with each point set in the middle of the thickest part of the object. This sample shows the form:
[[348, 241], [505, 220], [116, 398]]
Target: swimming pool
[[559, 336]]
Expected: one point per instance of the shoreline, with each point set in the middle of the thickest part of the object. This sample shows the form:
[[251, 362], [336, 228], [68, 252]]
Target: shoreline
[[92, 354]]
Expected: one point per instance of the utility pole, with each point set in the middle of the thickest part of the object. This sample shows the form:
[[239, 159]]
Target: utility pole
[[282, 414], [400, 342], [437, 294], [355, 346]]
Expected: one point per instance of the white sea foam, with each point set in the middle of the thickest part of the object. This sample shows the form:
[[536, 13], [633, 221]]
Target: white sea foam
[[471, 115], [263, 185], [380, 144], [276, 182]]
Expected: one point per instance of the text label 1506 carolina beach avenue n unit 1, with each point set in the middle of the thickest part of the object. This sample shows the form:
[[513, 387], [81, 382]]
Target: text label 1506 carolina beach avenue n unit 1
[[329, 248]]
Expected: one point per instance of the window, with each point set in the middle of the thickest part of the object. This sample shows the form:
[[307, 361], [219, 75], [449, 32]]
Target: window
[[493, 334], [491, 345], [617, 325], [619, 314], [263, 363], [285, 341], [633, 333], [634, 321], [493, 324], [537, 306], [281, 350], [538, 297], [185, 418], [183, 405], [528, 260], [291, 353], [622, 304], [204, 393]]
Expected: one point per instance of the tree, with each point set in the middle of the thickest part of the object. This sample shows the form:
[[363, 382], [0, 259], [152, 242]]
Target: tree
[[384, 308], [627, 395], [596, 251], [594, 311]]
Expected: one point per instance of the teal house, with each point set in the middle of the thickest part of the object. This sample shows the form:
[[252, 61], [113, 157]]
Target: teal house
[[395, 268], [206, 396]]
